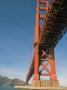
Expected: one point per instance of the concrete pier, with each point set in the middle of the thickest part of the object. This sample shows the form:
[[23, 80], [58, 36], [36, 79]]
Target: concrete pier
[[45, 83]]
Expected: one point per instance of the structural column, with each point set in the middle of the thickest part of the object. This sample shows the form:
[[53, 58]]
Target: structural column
[[36, 42], [36, 81], [53, 77], [52, 63]]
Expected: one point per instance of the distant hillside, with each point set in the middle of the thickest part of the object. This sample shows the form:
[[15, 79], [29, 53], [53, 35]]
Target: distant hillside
[[5, 81]]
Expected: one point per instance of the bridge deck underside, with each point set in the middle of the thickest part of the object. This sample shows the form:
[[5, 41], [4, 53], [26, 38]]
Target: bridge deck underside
[[53, 29]]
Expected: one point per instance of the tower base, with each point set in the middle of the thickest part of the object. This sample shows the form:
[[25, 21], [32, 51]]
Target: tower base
[[36, 83], [45, 83]]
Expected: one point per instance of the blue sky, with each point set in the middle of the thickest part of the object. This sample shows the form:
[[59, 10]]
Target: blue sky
[[17, 26]]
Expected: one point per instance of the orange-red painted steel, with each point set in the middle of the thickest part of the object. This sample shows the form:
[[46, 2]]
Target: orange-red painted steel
[[41, 12], [36, 42], [48, 31]]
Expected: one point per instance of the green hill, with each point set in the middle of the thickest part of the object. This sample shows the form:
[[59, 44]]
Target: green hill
[[5, 81]]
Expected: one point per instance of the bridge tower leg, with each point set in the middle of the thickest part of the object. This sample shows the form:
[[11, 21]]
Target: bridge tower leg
[[36, 49], [44, 62]]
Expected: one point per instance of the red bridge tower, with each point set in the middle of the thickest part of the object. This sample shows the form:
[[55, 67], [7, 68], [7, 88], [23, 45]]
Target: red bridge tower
[[44, 61], [50, 24]]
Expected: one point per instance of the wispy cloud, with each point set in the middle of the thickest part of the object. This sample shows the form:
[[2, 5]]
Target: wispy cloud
[[21, 74], [12, 73], [63, 79]]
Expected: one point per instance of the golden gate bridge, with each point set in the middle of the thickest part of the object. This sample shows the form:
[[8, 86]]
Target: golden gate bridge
[[51, 20]]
